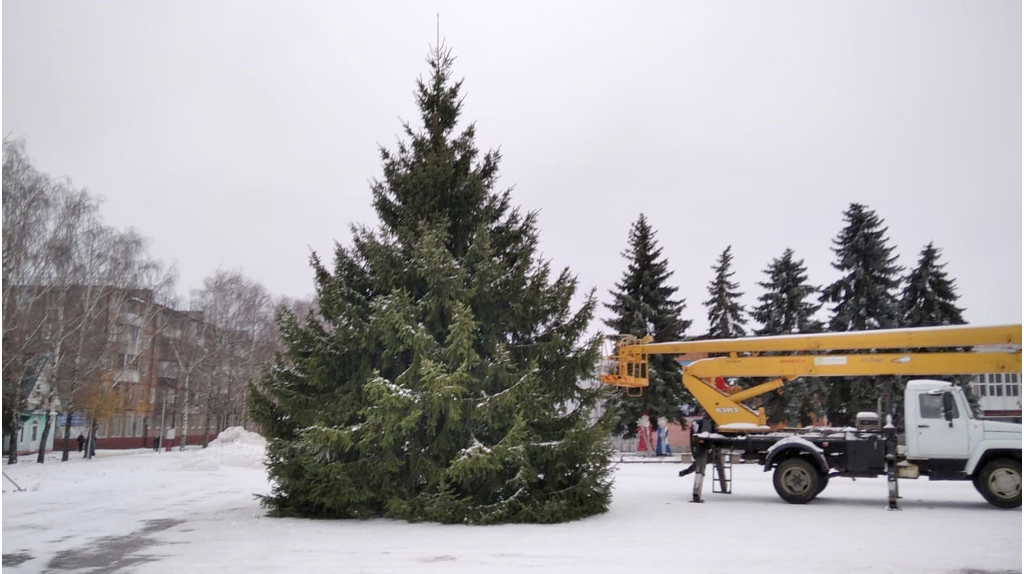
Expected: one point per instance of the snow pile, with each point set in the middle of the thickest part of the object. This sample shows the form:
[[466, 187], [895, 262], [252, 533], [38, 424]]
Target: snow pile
[[238, 435], [233, 447]]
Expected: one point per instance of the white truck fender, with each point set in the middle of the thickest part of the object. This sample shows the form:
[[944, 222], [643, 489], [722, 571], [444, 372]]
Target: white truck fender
[[986, 446]]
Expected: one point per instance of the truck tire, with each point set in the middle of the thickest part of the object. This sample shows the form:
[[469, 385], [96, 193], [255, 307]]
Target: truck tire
[[976, 481], [999, 482], [797, 481], [823, 483]]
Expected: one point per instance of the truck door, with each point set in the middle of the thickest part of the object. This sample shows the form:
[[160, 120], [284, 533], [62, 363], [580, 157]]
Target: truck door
[[938, 438]]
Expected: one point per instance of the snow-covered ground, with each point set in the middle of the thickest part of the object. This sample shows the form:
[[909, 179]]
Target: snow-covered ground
[[195, 511]]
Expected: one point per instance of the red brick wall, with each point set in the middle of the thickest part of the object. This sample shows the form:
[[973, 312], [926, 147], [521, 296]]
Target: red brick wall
[[121, 443]]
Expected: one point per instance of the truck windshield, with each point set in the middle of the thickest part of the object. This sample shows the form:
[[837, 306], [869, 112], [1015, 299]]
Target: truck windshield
[[962, 399]]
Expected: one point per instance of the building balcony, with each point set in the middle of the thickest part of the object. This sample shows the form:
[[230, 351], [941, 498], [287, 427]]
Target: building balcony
[[127, 376], [130, 319]]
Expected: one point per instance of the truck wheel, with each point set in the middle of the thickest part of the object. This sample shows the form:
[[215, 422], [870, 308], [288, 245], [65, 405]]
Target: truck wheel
[[977, 484], [797, 481], [999, 483], [823, 483]]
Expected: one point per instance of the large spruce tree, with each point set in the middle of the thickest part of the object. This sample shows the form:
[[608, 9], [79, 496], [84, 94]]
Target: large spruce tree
[[929, 295], [929, 300], [788, 305], [443, 380], [726, 316], [863, 298], [643, 304]]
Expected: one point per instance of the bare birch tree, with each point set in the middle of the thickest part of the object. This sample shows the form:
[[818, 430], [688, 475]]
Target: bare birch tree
[[76, 214], [241, 342], [65, 277], [187, 339], [28, 203]]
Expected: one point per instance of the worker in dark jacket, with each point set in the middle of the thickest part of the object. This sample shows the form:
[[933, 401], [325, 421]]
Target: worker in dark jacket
[[81, 442]]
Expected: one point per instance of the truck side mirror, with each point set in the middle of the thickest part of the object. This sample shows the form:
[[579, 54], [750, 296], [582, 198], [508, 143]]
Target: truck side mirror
[[947, 407]]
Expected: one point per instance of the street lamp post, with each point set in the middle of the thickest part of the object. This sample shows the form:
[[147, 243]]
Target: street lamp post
[[163, 413]]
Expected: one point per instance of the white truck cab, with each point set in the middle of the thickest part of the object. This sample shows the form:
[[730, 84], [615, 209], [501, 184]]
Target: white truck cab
[[946, 441]]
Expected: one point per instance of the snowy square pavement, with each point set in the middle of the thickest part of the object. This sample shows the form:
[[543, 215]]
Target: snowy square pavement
[[195, 511]]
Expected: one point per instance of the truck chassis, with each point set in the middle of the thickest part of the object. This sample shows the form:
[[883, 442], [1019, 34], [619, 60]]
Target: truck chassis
[[805, 459]]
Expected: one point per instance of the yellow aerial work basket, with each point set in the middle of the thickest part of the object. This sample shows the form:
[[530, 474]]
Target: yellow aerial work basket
[[623, 364]]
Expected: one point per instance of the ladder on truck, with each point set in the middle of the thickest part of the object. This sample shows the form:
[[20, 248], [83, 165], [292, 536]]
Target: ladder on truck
[[721, 473]]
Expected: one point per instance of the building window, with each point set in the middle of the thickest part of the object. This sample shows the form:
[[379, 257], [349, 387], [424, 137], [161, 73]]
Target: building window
[[25, 298], [128, 362], [167, 369], [35, 431], [115, 431]]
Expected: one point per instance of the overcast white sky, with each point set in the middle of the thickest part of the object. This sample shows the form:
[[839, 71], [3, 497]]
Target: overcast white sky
[[242, 134]]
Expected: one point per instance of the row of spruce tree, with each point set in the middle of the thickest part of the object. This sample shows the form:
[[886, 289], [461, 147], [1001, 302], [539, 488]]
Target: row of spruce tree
[[870, 293], [444, 376]]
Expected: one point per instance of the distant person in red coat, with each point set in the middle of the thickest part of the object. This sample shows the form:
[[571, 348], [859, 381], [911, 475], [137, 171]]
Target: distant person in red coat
[[644, 445]]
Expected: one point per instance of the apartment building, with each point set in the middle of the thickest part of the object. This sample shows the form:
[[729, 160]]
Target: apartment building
[[116, 357]]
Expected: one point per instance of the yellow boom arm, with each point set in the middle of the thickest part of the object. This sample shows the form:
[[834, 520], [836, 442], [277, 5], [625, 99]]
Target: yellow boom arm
[[627, 366]]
